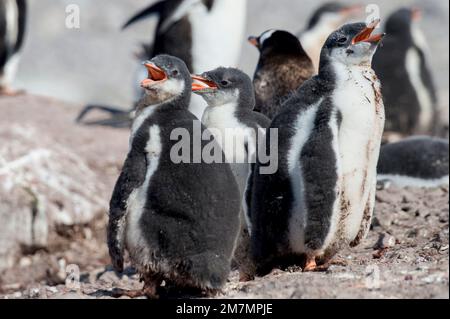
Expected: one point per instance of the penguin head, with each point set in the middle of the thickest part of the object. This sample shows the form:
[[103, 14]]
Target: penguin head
[[168, 78], [352, 44], [332, 15], [224, 86], [277, 42], [401, 21]]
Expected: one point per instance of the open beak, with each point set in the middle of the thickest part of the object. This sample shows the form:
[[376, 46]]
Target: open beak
[[416, 14], [155, 74], [254, 41], [366, 34], [202, 84]]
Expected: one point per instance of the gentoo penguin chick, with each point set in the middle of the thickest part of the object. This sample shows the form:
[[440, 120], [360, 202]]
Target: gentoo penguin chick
[[231, 119], [283, 66], [178, 218], [402, 66], [12, 30], [418, 161], [322, 23], [181, 32], [322, 196]]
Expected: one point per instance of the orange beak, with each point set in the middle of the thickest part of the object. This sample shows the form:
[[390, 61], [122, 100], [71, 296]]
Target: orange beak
[[254, 41], [366, 34], [155, 74], [416, 14], [202, 84]]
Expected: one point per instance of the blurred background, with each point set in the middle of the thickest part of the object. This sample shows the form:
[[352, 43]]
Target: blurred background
[[96, 63]]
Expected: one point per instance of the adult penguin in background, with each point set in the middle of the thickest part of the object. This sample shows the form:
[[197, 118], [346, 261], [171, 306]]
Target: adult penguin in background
[[325, 20], [418, 161], [282, 68], [177, 218], [13, 15], [205, 34], [322, 197], [403, 68]]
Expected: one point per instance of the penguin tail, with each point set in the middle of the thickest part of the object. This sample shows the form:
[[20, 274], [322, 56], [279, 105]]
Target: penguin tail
[[155, 8]]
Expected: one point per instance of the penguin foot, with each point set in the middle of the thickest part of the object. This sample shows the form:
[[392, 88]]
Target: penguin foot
[[245, 277], [117, 293], [310, 264]]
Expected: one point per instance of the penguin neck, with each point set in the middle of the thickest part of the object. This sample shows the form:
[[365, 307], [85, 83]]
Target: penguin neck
[[178, 102], [275, 58]]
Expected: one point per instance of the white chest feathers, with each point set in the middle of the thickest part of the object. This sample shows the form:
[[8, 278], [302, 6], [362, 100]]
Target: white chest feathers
[[217, 34], [233, 137], [138, 200], [414, 69], [358, 99]]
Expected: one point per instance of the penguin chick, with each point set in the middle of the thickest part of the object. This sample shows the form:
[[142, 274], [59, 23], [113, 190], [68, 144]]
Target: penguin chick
[[403, 68], [181, 32], [178, 219], [418, 161], [322, 196], [13, 15], [325, 20], [283, 66], [230, 117]]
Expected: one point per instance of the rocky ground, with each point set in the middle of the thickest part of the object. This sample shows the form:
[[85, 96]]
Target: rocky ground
[[406, 254]]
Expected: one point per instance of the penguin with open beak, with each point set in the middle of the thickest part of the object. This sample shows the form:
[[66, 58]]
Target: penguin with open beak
[[229, 95], [322, 196], [178, 218]]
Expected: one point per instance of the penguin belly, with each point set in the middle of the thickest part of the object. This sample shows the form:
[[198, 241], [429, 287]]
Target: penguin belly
[[358, 100], [137, 247], [217, 35]]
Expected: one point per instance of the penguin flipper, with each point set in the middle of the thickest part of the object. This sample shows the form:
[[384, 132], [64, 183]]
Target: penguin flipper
[[155, 8], [120, 118], [132, 176]]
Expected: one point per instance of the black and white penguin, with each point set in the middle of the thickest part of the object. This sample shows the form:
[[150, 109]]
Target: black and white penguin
[[402, 66], [178, 222], [231, 119], [325, 20], [418, 161], [190, 29], [283, 66], [322, 196], [205, 34], [12, 30]]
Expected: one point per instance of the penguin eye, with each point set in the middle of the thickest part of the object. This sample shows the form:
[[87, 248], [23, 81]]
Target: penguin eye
[[175, 72], [224, 82], [342, 40]]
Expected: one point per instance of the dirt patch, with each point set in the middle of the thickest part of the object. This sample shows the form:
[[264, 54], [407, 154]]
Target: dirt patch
[[406, 255]]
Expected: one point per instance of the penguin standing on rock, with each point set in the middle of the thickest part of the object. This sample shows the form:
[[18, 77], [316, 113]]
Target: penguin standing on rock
[[282, 68], [418, 161], [178, 222], [12, 30], [402, 66], [231, 99], [322, 23], [322, 196], [204, 33]]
